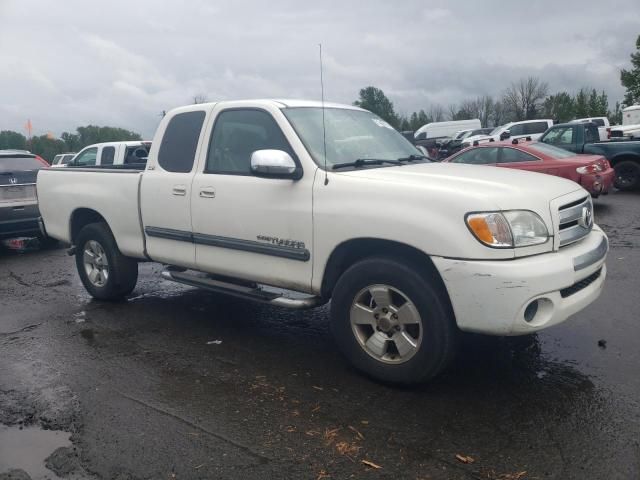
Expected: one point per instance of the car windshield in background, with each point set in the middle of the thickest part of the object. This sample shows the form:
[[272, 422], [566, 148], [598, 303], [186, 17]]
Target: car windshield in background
[[350, 135], [19, 163], [496, 130], [550, 150]]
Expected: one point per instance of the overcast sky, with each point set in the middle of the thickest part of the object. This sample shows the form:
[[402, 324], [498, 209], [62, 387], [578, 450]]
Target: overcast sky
[[120, 63]]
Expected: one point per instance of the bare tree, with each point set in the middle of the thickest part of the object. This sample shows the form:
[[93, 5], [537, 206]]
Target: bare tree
[[436, 113], [523, 98], [452, 111], [498, 115], [200, 98]]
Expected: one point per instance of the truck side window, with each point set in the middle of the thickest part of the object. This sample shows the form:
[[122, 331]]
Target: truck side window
[[236, 135], [517, 129], [86, 158], [535, 127], [108, 154], [591, 134], [560, 135], [180, 141]]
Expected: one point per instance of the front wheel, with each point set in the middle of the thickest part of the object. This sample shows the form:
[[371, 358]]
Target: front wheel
[[104, 271], [392, 322], [627, 175]]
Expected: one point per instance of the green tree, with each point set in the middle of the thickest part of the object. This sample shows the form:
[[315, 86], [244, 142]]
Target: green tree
[[46, 147], [374, 100], [630, 79], [559, 107], [10, 140], [581, 102]]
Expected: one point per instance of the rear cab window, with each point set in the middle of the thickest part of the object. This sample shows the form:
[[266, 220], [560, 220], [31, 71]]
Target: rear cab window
[[180, 141]]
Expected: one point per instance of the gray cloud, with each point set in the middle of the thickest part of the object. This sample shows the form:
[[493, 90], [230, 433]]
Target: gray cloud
[[121, 63]]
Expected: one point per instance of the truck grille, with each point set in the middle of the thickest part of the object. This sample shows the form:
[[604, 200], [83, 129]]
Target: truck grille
[[582, 284], [18, 193], [576, 221]]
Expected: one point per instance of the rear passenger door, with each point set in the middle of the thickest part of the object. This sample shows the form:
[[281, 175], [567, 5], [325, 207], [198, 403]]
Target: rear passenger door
[[165, 193]]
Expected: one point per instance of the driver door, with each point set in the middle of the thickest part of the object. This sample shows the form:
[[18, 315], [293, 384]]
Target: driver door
[[246, 226]]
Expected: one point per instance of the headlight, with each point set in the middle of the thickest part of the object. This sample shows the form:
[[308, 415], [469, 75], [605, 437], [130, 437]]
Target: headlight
[[509, 229]]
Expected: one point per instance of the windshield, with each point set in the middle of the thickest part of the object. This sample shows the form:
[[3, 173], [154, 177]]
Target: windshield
[[552, 151], [19, 164], [350, 135], [496, 130]]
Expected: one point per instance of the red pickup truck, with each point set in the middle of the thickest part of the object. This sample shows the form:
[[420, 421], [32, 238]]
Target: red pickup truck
[[592, 172]]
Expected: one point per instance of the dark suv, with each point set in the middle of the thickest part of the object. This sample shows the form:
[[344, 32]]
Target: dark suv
[[18, 199]]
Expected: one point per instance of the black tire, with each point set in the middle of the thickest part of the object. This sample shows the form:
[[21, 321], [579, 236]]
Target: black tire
[[438, 335], [627, 175], [122, 271]]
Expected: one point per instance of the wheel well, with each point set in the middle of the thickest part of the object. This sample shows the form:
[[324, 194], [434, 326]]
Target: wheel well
[[352, 251], [82, 217], [624, 157]]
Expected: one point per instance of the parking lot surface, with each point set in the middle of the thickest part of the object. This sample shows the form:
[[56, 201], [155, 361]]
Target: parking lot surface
[[180, 383]]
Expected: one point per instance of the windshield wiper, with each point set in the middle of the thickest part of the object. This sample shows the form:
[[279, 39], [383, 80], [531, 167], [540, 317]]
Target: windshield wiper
[[362, 162], [412, 158]]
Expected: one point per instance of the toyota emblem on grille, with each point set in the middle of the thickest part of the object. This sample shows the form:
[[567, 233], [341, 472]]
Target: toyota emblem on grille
[[586, 220], [13, 180]]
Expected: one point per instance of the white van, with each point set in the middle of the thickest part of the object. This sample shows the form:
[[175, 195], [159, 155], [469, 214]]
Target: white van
[[445, 129]]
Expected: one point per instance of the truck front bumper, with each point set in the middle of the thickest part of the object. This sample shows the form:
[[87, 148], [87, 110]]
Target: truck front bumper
[[524, 295]]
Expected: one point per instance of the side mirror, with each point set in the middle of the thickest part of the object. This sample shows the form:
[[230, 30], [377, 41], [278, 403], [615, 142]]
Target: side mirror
[[274, 164], [504, 135]]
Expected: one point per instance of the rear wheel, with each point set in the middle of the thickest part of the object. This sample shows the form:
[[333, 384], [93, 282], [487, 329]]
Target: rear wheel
[[392, 322], [627, 175], [104, 271]]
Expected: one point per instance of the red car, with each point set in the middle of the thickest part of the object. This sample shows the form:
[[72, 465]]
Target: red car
[[593, 172]]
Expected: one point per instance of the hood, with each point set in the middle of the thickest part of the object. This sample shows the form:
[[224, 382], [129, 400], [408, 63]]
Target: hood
[[502, 188]]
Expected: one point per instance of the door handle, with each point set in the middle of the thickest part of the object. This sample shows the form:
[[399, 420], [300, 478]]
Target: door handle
[[179, 190], [207, 192]]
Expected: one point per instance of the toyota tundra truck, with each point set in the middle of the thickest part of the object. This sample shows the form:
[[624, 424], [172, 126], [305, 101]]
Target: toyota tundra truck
[[295, 203]]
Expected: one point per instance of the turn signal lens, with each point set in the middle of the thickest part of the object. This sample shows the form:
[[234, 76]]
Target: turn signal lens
[[491, 229]]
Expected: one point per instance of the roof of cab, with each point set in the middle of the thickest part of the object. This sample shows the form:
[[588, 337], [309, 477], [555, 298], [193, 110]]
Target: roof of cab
[[278, 103]]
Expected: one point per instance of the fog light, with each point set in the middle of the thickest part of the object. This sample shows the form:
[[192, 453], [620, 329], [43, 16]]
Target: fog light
[[530, 311]]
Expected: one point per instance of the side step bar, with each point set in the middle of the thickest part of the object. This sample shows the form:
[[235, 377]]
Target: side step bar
[[280, 298]]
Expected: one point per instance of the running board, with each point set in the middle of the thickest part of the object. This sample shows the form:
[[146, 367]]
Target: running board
[[280, 298]]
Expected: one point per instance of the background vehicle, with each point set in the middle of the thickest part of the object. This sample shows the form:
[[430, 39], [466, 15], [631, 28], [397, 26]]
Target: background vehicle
[[240, 198], [592, 172], [630, 127], [18, 200], [433, 130], [604, 129], [124, 154], [623, 155], [62, 159], [449, 147], [513, 130]]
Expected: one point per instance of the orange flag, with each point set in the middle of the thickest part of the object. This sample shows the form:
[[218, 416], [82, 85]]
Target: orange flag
[[28, 127]]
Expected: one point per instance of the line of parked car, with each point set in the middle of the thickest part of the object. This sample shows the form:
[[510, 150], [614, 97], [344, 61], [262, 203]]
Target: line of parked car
[[589, 150]]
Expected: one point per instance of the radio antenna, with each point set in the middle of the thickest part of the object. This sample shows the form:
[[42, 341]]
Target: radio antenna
[[324, 128]]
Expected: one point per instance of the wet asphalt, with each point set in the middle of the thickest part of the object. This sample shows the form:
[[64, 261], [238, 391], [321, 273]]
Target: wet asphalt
[[177, 383]]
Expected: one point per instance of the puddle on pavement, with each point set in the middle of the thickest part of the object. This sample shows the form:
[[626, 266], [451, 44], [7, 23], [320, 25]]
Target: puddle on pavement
[[28, 448]]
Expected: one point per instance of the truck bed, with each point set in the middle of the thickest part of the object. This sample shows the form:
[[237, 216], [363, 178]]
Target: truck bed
[[111, 193]]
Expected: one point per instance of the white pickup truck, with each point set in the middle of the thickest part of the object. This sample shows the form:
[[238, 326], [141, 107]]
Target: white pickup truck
[[256, 199], [108, 154]]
